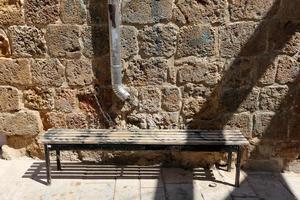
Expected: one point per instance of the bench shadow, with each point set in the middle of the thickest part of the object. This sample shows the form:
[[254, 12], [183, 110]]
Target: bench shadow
[[93, 170]]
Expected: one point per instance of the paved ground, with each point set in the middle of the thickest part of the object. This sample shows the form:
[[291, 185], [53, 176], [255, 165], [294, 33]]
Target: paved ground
[[25, 179]]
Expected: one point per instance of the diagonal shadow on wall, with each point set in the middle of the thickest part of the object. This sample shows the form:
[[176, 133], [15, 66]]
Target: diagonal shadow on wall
[[241, 79]]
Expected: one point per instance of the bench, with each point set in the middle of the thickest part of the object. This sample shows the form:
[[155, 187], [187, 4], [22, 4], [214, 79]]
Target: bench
[[121, 140]]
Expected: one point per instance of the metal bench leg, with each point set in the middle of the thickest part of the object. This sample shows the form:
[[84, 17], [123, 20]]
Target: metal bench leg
[[48, 167], [58, 164], [229, 160], [238, 166]]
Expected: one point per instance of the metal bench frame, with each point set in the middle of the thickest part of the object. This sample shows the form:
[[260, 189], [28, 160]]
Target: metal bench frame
[[134, 147]]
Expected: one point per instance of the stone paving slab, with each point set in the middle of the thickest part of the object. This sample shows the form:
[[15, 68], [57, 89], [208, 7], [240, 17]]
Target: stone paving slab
[[25, 179]]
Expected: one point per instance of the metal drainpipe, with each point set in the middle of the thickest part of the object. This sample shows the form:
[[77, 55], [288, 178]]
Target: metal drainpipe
[[114, 19]]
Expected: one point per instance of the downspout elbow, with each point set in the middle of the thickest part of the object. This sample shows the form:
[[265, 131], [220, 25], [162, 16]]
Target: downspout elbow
[[115, 50], [117, 86]]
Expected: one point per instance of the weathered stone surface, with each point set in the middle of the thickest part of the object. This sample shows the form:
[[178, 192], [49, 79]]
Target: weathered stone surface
[[272, 97], [4, 44], [97, 12], [240, 99], [203, 11], [146, 11], [65, 100], [129, 43], [242, 122], [192, 106], [171, 99], [151, 71], [150, 99], [266, 70], [9, 99], [249, 10], [101, 67], [289, 10], [178, 17], [76, 120], [241, 72], [15, 72], [159, 40], [195, 90], [63, 41], [95, 41], [73, 12], [27, 41], [262, 122], [78, 72], [41, 12], [11, 12], [9, 153], [54, 120], [288, 70], [199, 71], [284, 37], [241, 39], [294, 126], [47, 72], [20, 123], [163, 120], [196, 40], [39, 98]]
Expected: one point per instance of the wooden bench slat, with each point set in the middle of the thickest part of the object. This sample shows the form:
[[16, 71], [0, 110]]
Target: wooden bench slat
[[146, 137]]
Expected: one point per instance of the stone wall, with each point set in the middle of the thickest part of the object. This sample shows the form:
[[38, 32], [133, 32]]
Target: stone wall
[[207, 64]]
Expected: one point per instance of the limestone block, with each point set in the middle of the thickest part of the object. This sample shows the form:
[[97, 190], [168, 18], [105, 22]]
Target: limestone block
[[272, 97], [95, 41], [39, 98], [15, 72], [241, 39], [203, 11], [54, 120], [195, 90], [76, 120], [78, 72], [47, 72], [11, 12], [196, 40], [151, 71], [9, 153], [4, 44], [240, 99], [97, 12], [251, 10], [27, 41], [262, 122], [9, 99], [241, 121], [284, 36], [178, 17], [41, 12], [129, 43], [159, 40], [20, 123], [242, 72], [65, 100], [288, 70], [73, 12], [171, 99], [289, 10], [150, 99], [163, 120], [146, 11], [63, 41], [199, 71], [192, 106]]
